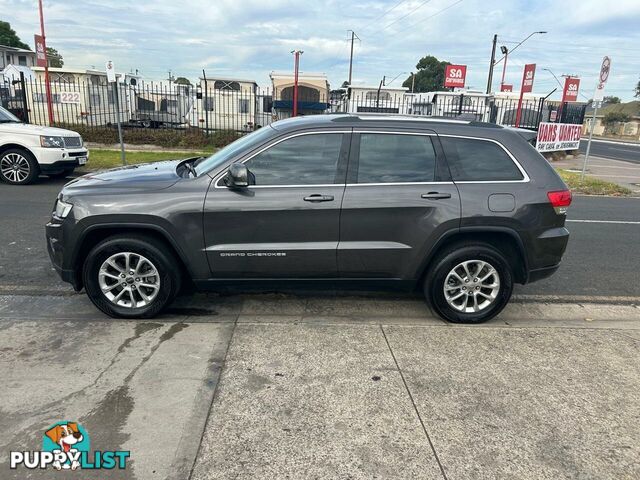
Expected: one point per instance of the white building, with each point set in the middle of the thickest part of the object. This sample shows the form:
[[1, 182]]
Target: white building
[[363, 99]]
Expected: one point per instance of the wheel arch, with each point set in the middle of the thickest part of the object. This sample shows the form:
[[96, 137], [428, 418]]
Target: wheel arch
[[505, 239], [8, 146], [97, 233]]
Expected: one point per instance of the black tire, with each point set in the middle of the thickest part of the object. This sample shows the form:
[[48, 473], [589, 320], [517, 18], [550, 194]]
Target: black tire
[[446, 261], [155, 251], [25, 158], [62, 173]]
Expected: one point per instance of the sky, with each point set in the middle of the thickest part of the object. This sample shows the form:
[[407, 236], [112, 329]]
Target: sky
[[247, 39]]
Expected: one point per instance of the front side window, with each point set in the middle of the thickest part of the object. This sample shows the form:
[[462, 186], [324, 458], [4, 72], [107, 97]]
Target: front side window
[[472, 160], [302, 160], [243, 105], [394, 158]]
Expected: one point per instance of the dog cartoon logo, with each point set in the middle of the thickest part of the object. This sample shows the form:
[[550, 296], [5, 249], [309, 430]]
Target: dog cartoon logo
[[66, 446], [68, 439]]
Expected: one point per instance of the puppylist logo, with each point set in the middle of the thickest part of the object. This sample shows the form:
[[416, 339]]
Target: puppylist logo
[[66, 446]]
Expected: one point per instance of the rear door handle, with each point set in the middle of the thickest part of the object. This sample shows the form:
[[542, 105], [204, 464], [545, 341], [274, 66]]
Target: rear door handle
[[318, 198], [435, 195]]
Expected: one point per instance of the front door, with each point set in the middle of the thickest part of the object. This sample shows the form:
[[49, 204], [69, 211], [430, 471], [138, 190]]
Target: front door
[[286, 224], [399, 200]]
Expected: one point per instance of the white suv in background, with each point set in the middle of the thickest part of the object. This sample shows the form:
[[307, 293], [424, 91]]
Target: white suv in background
[[28, 150]]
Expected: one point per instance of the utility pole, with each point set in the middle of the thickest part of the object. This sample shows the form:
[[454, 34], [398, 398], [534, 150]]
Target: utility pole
[[413, 81], [353, 37], [296, 66], [46, 65], [493, 59]]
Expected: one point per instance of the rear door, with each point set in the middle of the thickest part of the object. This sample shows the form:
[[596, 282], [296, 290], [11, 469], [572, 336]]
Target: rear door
[[398, 201], [286, 224]]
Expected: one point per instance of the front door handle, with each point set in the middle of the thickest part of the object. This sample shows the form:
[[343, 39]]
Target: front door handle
[[435, 195], [316, 197]]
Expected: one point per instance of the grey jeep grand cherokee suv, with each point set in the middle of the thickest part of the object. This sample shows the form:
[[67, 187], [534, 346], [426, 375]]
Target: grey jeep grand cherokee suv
[[459, 209]]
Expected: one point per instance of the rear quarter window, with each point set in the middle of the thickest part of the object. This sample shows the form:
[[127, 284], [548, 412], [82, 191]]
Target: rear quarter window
[[477, 160]]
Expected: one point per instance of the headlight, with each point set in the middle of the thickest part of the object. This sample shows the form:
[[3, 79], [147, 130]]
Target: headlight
[[51, 142], [62, 209]]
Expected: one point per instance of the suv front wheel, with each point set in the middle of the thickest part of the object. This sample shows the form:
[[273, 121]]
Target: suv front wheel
[[469, 283], [18, 167], [131, 277]]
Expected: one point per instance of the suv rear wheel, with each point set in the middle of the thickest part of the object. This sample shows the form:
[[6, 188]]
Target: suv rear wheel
[[18, 167], [131, 277], [469, 283]]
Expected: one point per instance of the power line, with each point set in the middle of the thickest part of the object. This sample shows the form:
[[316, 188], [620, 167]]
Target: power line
[[432, 15], [380, 16], [405, 16]]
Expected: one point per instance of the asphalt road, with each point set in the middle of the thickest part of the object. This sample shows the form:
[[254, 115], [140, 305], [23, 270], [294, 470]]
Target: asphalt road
[[629, 152], [602, 258]]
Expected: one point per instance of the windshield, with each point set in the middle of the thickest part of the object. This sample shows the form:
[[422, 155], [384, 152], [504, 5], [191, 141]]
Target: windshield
[[8, 117], [224, 154]]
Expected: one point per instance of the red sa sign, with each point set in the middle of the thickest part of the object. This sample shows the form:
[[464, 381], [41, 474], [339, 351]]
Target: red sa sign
[[570, 92], [41, 57], [454, 75], [527, 77]]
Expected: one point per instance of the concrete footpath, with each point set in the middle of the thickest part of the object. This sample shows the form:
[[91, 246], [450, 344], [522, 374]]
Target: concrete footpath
[[287, 386]]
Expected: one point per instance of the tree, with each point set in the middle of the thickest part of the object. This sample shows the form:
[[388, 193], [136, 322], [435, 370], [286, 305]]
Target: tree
[[182, 81], [611, 99], [637, 94], [54, 58], [615, 117], [430, 75], [9, 37]]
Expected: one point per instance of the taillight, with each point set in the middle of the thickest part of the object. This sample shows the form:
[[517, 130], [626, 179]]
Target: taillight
[[560, 200]]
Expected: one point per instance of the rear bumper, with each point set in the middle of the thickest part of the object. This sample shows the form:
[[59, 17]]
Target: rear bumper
[[540, 273], [548, 249]]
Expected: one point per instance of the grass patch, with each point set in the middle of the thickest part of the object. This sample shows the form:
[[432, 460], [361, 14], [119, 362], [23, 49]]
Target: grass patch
[[592, 186], [101, 159]]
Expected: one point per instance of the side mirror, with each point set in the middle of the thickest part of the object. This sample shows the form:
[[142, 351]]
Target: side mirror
[[237, 176]]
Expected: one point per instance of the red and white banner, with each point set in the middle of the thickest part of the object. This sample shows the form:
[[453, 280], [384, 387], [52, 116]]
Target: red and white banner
[[527, 77], [506, 87], [41, 57], [454, 76], [571, 87], [558, 136]]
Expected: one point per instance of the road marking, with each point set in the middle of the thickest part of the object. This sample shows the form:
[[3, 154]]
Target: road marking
[[623, 222], [625, 149], [628, 144], [613, 166]]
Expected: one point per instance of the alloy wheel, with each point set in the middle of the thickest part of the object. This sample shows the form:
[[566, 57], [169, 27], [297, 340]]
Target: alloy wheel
[[129, 280], [15, 167], [471, 286]]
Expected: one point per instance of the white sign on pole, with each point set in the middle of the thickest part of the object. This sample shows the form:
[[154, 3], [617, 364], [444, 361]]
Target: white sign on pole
[[597, 103], [111, 72], [602, 79], [558, 136]]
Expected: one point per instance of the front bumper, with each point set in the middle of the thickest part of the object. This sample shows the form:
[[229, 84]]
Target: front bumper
[[56, 159], [54, 233]]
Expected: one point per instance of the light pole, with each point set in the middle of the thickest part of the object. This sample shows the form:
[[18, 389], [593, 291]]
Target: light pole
[[505, 52], [554, 76], [296, 65], [504, 57]]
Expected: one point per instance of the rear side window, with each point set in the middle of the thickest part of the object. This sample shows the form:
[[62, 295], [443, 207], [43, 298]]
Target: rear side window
[[391, 158], [473, 160]]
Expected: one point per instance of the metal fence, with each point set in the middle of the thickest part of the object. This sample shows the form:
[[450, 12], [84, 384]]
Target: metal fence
[[242, 106]]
